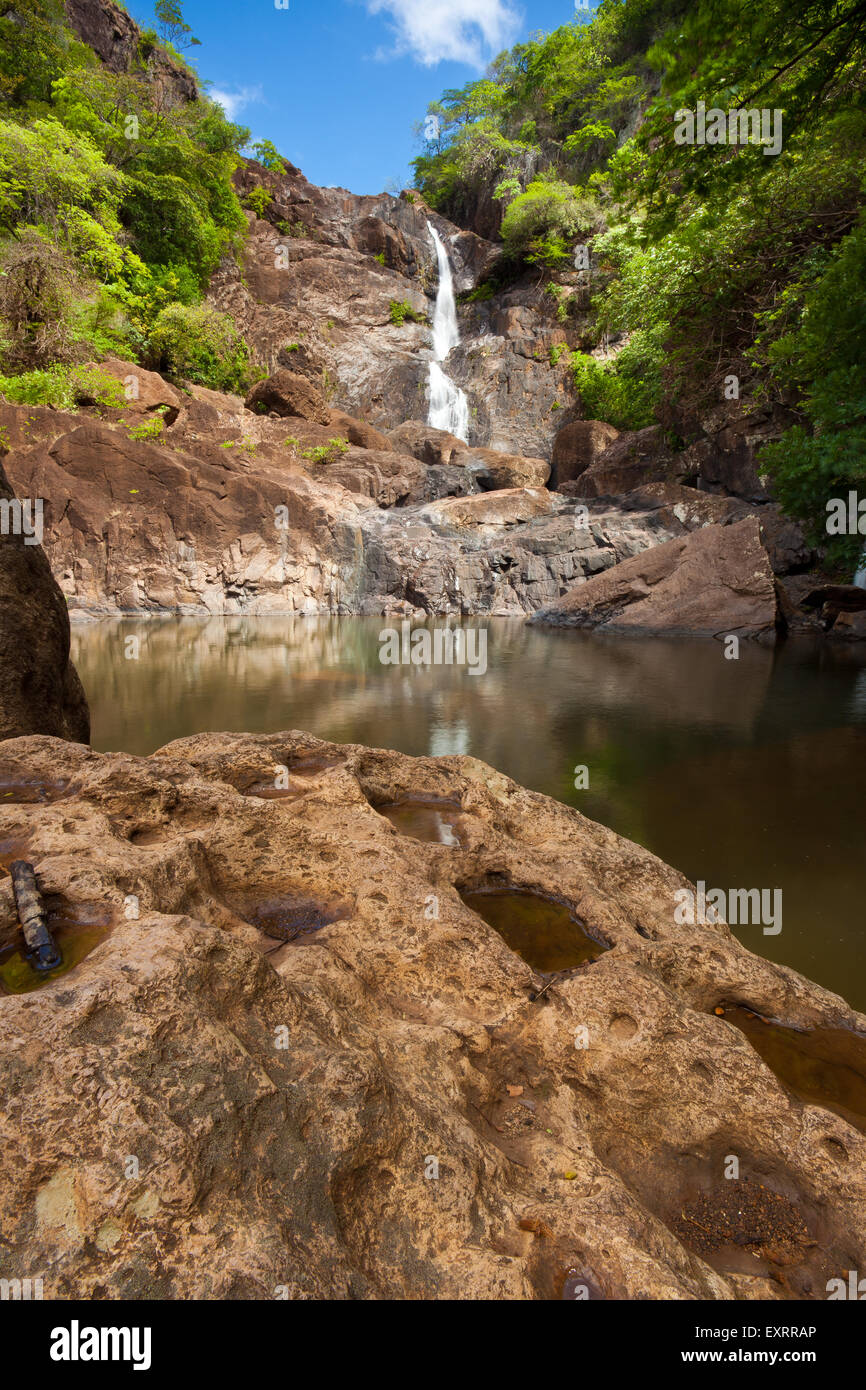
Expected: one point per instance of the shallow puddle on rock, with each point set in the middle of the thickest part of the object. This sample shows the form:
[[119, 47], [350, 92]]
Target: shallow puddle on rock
[[824, 1066], [287, 919], [435, 822], [313, 765], [543, 931], [14, 792], [300, 771], [10, 850], [77, 930]]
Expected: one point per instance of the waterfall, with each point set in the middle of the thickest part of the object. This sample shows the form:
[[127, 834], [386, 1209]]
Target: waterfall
[[449, 408], [860, 576]]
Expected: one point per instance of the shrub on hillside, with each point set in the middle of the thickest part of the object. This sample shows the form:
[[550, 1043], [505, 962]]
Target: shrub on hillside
[[37, 290], [542, 224], [625, 391], [401, 310], [258, 200], [64, 388], [198, 342]]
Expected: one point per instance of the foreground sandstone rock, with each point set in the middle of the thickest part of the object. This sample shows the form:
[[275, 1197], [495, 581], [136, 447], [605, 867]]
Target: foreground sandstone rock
[[718, 581], [187, 1116], [40, 692]]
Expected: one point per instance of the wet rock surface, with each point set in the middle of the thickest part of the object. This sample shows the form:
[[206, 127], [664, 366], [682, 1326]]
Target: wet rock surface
[[288, 1102]]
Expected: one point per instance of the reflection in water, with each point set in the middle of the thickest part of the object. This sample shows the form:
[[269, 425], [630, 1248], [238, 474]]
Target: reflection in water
[[743, 773], [434, 822], [545, 933], [826, 1066], [76, 930]]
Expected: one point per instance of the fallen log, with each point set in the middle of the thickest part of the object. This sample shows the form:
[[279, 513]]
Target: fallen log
[[40, 947]]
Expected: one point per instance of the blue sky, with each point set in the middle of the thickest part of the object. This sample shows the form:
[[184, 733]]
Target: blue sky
[[338, 84]]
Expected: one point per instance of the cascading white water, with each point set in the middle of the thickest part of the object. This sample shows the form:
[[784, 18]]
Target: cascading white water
[[860, 576], [449, 408]]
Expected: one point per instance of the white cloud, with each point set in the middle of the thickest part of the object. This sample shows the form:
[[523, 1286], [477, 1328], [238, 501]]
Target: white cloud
[[233, 102], [461, 31]]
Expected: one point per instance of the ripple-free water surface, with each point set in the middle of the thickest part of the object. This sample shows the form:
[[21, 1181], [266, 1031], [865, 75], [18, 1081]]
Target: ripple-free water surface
[[745, 774]]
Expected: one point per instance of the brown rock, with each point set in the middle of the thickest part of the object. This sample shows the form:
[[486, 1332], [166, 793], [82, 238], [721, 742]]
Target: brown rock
[[426, 443], [841, 598], [284, 1107], [576, 447], [840, 610], [686, 505], [136, 526], [849, 627], [188, 524], [634, 458], [495, 470], [783, 540], [114, 37], [503, 508], [716, 581], [40, 692], [359, 432], [287, 393], [376, 237], [148, 390], [389, 478]]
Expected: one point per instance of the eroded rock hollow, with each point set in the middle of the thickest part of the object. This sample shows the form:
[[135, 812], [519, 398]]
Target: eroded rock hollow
[[291, 1057]]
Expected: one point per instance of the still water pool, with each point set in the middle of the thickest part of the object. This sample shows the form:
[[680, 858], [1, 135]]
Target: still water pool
[[744, 774]]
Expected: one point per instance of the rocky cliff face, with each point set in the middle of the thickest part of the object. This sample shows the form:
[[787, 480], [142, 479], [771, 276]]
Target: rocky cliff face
[[295, 1060], [40, 692], [234, 511], [116, 40], [314, 293], [320, 272], [243, 507]]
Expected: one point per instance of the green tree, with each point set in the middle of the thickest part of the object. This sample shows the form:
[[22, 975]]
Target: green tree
[[268, 155], [172, 27]]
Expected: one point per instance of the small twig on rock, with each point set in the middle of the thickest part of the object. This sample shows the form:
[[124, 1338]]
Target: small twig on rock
[[551, 981], [42, 950]]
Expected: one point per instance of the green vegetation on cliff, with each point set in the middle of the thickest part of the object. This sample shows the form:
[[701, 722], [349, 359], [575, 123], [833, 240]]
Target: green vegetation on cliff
[[116, 204], [720, 260]]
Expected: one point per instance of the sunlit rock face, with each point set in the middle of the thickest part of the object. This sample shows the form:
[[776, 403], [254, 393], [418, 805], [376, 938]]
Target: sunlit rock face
[[251, 509], [235, 511], [315, 291], [115, 38], [298, 1060]]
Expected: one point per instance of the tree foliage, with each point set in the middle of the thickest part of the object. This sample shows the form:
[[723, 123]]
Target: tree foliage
[[714, 260], [132, 188]]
